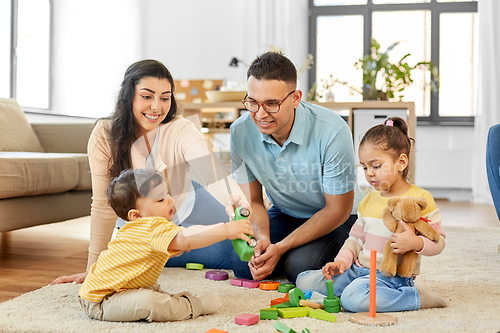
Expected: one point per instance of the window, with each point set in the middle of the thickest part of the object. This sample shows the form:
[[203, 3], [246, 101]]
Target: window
[[442, 31], [25, 52]]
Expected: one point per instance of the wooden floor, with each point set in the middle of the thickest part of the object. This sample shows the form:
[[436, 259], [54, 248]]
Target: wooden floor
[[32, 258]]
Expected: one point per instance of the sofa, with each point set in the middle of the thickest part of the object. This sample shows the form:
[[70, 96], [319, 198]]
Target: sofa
[[44, 170]]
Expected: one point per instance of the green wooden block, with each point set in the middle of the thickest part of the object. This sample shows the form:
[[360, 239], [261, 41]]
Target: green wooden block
[[242, 249], [285, 287], [306, 330], [191, 265], [283, 328], [322, 315], [282, 305], [269, 313], [294, 312]]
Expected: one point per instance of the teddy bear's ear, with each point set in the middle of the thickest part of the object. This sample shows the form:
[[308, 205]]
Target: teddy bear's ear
[[421, 202], [391, 203]]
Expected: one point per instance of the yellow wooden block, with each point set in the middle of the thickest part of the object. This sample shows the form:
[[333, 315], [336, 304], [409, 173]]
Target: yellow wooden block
[[294, 312], [323, 315]]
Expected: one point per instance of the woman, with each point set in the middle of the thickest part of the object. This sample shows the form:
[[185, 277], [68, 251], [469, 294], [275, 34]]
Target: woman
[[146, 132]]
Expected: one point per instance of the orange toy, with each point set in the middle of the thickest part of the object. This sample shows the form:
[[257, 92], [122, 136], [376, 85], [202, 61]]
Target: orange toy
[[269, 285]]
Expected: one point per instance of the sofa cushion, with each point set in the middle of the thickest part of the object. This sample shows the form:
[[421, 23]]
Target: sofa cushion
[[16, 133], [30, 173], [84, 179]]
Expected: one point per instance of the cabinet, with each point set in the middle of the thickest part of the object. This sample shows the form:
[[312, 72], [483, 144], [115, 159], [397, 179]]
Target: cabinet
[[359, 115]]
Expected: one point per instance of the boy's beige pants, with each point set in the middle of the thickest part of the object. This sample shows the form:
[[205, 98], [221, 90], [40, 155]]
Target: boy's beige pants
[[150, 304]]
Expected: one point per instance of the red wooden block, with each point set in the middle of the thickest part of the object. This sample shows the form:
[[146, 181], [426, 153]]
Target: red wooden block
[[279, 301], [251, 284], [246, 319]]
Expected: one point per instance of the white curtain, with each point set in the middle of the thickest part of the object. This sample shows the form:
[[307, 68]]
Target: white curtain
[[488, 109]]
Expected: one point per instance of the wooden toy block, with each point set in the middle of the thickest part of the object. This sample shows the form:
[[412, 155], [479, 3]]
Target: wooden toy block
[[216, 275], [269, 285], [297, 298], [306, 330], [294, 312], [282, 305], [269, 313], [283, 328], [246, 319], [250, 284], [194, 266], [285, 287], [307, 294], [322, 315], [237, 282], [331, 302], [214, 330], [278, 301]]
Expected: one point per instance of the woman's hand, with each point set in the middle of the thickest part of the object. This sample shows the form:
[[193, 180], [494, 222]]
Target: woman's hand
[[233, 202], [75, 278]]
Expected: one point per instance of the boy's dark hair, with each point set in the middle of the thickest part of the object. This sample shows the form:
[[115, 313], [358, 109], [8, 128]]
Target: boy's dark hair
[[273, 66], [124, 190], [392, 136]]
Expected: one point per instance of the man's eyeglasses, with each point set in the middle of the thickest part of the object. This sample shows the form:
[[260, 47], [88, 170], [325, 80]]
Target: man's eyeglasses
[[269, 107]]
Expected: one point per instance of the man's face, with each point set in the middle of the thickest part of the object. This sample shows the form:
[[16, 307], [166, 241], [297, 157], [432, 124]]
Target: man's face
[[278, 125]]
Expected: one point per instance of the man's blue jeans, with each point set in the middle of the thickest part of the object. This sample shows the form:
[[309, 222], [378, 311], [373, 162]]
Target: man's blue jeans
[[309, 256], [353, 288]]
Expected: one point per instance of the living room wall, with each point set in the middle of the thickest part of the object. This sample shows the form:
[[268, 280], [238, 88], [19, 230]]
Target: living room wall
[[197, 39]]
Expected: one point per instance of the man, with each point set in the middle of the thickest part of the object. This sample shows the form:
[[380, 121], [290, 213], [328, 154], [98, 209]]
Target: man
[[302, 154]]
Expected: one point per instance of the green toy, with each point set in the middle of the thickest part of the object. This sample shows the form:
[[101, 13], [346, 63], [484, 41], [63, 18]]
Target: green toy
[[285, 287], [283, 328], [269, 313], [244, 251], [332, 303]]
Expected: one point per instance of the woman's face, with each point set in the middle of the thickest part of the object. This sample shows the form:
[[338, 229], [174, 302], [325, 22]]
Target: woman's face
[[152, 101]]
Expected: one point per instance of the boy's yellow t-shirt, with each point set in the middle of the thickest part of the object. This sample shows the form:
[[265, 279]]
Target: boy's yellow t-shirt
[[134, 259]]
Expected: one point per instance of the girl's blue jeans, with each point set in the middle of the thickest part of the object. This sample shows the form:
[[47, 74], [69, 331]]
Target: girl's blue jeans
[[353, 287]]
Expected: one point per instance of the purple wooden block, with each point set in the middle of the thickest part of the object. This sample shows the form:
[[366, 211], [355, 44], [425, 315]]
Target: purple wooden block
[[251, 284], [216, 275], [237, 282]]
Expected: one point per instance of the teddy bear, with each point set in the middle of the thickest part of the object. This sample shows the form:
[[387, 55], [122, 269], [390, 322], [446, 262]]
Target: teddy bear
[[407, 209]]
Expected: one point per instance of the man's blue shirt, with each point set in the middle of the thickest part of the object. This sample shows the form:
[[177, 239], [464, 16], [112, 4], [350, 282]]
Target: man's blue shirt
[[317, 158]]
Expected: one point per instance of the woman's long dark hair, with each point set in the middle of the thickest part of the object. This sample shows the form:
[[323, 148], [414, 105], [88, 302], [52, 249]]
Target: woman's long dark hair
[[123, 123]]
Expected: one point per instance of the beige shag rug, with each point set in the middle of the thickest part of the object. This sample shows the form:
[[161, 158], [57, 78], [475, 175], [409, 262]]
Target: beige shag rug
[[466, 275]]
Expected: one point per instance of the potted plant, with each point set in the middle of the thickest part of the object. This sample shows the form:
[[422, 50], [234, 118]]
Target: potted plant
[[376, 67]]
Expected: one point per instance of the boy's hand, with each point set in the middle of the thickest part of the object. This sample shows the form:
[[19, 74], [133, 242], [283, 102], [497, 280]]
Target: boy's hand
[[239, 229], [333, 268]]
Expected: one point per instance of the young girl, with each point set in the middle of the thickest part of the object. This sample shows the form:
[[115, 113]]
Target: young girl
[[384, 154]]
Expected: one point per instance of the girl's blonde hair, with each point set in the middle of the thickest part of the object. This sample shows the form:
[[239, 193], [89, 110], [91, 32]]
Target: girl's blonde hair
[[391, 136]]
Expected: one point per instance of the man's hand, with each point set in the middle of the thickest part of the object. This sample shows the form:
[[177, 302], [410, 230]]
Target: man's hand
[[333, 268], [406, 241], [265, 259]]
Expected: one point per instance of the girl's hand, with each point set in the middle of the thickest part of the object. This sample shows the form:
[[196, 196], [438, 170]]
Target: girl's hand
[[406, 241], [75, 278], [239, 229], [333, 268]]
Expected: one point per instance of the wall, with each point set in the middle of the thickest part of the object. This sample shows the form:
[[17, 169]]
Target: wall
[[196, 39], [93, 43]]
